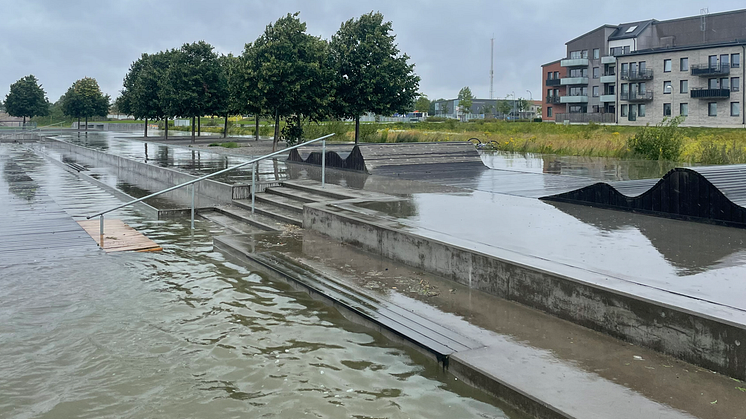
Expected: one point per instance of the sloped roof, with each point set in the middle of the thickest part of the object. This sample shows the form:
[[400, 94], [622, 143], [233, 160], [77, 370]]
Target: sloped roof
[[630, 30]]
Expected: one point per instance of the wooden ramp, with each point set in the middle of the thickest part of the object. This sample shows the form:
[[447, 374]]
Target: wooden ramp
[[118, 236]]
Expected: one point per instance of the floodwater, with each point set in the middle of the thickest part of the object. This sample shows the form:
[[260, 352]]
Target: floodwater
[[598, 168], [187, 333], [197, 162]]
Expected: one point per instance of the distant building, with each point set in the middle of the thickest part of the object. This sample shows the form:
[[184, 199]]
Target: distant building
[[640, 72], [484, 108]]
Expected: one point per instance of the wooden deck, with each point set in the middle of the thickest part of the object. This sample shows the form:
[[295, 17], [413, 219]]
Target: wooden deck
[[118, 236]]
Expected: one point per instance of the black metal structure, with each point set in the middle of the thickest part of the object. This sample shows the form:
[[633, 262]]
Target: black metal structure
[[713, 194]]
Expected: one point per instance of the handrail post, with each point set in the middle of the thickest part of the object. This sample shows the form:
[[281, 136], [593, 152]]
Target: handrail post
[[253, 185], [101, 231], [323, 163], [194, 186]]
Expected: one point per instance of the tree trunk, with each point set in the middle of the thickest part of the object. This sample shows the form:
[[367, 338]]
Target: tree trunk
[[166, 120], [277, 131], [86, 123], [357, 128], [193, 140], [146, 127], [256, 127], [225, 126], [24, 121], [199, 126], [78, 123]]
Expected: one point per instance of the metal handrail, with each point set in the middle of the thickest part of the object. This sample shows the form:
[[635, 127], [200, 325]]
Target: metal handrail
[[200, 179]]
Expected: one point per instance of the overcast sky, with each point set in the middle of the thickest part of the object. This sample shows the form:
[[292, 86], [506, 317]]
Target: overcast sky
[[61, 41]]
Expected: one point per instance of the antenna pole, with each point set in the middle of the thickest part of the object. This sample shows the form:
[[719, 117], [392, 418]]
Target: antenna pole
[[492, 66]]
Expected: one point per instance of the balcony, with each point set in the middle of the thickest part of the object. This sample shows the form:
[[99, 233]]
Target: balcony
[[710, 93], [608, 98], [641, 75], [552, 82], [704, 70], [610, 78], [637, 97], [574, 62], [553, 99], [573, 99], [584, 118], [609, 59], [573, 80]]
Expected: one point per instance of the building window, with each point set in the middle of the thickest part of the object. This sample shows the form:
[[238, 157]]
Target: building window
[[666, 66], [667, 89], [735, 109], [623, 111], [596, 53], [712, 83], [684, 64], [549, 111], [574, 55], [684, 86], [735, 84], [595, 91], [556, 75], [584, 54], [712, 109], [735, 60], [596, 72], [666, 109], [725, 60], [549, 75], [642, 66], [642, 88], [684, 109], [712, 61], [641, 111], [625, 69], [725, 83]]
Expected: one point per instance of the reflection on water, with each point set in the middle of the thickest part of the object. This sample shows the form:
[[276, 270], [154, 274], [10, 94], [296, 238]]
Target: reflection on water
[[599, 168], [187, 333], [197, 162]]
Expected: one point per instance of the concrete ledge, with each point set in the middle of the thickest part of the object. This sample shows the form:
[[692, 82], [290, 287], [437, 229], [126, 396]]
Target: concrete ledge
[[154, 178], [712, 342]]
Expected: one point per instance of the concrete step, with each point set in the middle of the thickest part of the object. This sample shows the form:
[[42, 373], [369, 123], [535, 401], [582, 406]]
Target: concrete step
[[538, 363], [296, 194], [270, 210], [231, 224], [290, 204], [328, 192], [257, 220]]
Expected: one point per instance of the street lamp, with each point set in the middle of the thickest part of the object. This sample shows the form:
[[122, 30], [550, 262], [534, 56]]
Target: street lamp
[[531, 97], [514, 113]]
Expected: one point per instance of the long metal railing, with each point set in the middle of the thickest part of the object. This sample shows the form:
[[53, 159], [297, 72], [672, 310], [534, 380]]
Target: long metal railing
[[195, 181]]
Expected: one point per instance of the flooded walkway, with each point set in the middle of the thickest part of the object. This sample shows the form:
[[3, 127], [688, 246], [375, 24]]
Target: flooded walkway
[[187, 333]]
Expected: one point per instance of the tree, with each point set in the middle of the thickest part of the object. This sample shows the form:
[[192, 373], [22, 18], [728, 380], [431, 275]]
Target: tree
[[465, 100], [504, 107], [290, 71], [371, 75], [422, 104], [84, 100], [26, 99], [195, 83], [141, 94]]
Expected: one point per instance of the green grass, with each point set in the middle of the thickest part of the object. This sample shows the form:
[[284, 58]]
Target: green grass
[[229, 144]]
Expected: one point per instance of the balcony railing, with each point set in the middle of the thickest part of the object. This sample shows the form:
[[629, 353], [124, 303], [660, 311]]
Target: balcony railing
[[710, 93], [553, 82], [637, 97], [704, 70], [640, 75], [584, 118], [553, 99]]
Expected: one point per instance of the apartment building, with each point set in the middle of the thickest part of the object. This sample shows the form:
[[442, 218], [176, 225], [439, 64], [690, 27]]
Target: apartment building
[[640, 72]]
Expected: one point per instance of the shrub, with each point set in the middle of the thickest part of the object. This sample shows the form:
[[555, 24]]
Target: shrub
[[661, 142]]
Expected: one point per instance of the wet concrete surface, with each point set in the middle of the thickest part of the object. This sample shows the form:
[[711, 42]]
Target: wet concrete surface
[[576, 371], [185, 332]]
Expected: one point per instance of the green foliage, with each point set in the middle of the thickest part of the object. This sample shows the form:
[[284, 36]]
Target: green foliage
[[84, 99], [436, 119], [422, 104], [372, 75], [465, 99], [293, 130], [142, 96], [504, 107], [662, 142], [26, 99]]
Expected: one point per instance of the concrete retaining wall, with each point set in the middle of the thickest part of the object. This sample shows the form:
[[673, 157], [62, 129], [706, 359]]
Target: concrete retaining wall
[[709, 342], [154, 178]]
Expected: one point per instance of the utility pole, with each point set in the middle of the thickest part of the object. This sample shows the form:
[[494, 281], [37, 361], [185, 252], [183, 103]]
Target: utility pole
[[492, 66]]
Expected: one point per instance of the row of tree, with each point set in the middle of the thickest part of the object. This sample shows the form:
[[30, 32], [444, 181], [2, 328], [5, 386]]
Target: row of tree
[[284, 74], [83, 99]]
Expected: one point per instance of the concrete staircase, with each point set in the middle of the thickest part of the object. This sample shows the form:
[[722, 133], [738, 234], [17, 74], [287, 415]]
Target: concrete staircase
[[275, 209]]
